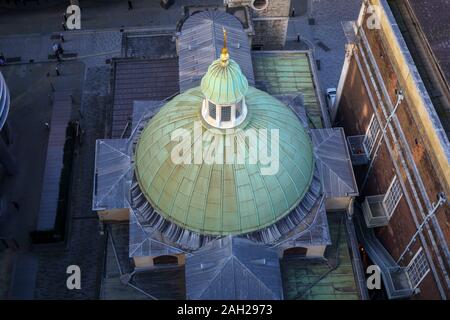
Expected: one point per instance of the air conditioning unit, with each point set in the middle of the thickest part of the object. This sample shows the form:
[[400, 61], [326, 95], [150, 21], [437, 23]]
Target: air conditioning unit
[[374, 211], [358, 151]]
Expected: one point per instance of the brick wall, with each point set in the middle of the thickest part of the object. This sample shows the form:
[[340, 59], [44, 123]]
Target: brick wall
[[354, 113]]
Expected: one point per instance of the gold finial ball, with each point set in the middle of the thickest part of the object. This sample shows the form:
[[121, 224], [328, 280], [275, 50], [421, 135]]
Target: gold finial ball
[[224, 56]]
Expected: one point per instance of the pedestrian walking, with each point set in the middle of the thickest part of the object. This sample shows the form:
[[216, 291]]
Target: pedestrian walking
[[130, 5], [298, 37], [63, 24], [60, 48], [65, 17], [55, 47], [57, 71], [61, 36], [47, 125], [293, 12]]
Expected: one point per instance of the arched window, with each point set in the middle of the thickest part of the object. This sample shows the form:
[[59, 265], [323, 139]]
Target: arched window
[[225, 113], [259, 5], [165, 259], [212, 110], [238, 109], [295, 252]]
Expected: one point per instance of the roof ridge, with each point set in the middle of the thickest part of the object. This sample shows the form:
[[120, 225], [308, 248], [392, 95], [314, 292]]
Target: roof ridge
[[254, 276]]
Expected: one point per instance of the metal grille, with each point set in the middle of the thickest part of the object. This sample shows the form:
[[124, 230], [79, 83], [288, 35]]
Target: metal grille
[[392, 197], [226, 113], [417, 268], [371, 135], [212, 110]]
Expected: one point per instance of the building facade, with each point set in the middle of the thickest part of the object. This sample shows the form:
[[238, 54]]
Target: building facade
[[270, 21], [400, 151]]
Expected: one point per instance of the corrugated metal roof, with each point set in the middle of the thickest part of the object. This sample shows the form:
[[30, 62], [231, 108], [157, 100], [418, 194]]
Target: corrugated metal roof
[[61, 112], [288, 73], [334, 162], [201, 40], [232, 269], [113, 172]]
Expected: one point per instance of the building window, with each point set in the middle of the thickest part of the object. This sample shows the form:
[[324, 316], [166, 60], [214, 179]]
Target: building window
[[225, 113], [417, 268], [165, 259], [392, 196], [295, 252], [371, 135], [238, 109], [212, 110]]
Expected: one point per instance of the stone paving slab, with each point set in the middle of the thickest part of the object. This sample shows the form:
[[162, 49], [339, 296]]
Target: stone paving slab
[[93, 48]]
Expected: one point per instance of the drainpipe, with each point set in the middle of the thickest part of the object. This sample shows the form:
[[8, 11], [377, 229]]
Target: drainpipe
[[400, 98], [442, 200], [406, 158], [397, 168]]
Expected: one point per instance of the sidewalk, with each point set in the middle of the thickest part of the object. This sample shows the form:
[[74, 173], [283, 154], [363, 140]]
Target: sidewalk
[[95, 14], [91, 47]]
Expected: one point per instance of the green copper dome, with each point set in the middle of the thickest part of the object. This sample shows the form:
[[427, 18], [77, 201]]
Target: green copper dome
[[224, 82], [223, 199]]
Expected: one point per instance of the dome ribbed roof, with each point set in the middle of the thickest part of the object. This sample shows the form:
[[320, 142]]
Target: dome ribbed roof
[[222, 199], [4, 101], [224, 83]]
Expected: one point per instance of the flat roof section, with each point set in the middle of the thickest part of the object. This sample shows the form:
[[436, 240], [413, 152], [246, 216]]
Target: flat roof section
[[288, 72], [314, 279]]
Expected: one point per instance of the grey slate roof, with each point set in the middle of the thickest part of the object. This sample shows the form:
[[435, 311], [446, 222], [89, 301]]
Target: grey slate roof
[[233, 268], [201, 40], [316, 233], [334, 163], [113, 173], [149, 79], [146, 241]]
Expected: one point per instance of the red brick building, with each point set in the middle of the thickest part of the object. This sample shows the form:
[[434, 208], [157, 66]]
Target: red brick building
[[393, 101]]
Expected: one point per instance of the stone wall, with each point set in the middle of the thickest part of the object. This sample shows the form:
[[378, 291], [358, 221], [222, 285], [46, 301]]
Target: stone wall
[[270, 24], [270, 34]]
